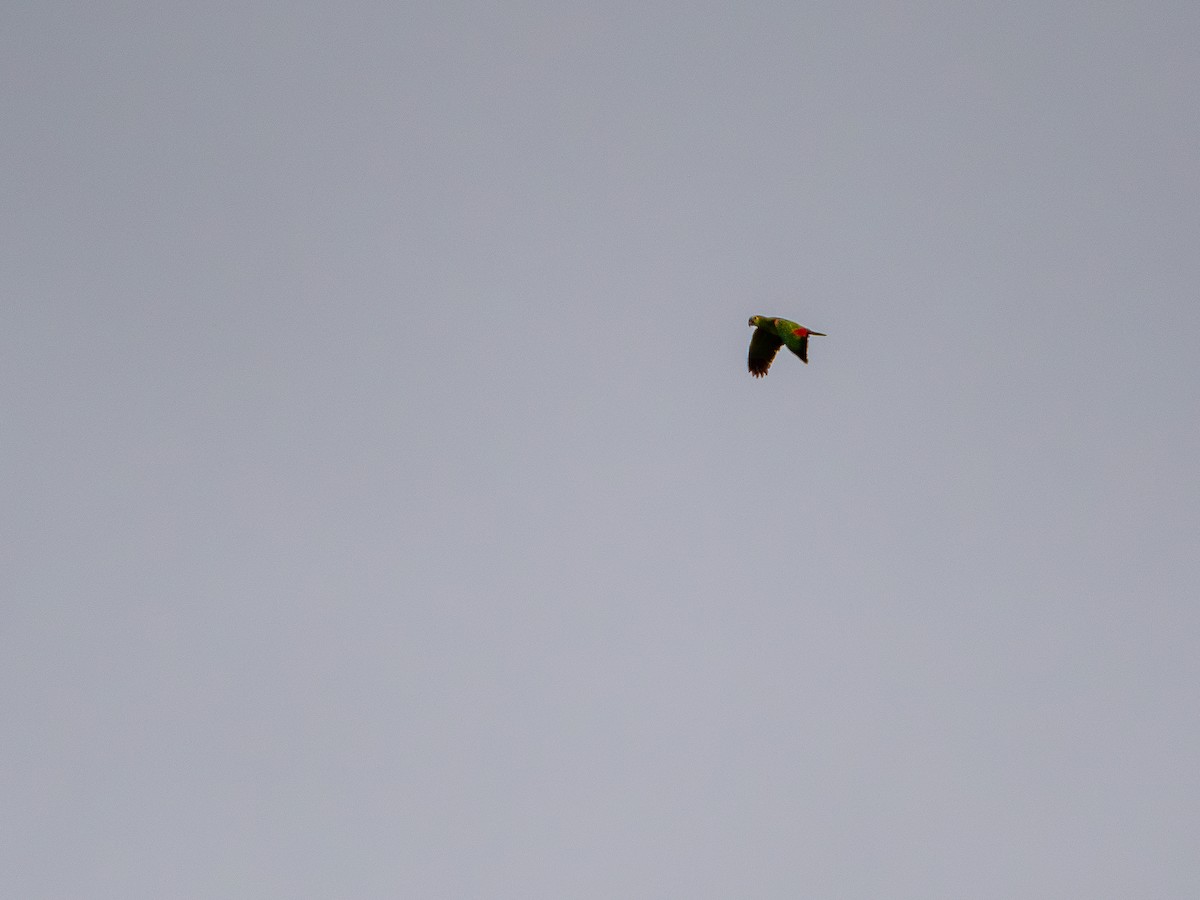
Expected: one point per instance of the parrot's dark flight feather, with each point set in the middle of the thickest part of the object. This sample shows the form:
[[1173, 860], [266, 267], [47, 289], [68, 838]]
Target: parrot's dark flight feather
[[763, 347]]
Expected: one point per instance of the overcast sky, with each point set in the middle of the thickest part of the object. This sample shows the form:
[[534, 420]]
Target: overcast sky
[[388, 511]]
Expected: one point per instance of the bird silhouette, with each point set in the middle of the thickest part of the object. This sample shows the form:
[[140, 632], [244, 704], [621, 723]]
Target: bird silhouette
[[771, 333]]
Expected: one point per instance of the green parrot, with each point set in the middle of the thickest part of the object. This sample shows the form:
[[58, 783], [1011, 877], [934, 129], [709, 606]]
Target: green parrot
[[769, 335]]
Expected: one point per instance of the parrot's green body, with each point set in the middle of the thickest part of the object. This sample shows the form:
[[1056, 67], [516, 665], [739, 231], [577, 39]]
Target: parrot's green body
[[770, 334]]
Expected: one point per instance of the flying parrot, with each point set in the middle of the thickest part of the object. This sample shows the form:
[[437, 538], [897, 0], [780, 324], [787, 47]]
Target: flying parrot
[[769, 335]]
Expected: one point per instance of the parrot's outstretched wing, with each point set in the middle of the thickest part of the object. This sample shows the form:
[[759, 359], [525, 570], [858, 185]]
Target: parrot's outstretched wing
[[799, 346], [763, 347]]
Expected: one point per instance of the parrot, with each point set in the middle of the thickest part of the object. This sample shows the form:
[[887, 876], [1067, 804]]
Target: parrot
[[769, 335]]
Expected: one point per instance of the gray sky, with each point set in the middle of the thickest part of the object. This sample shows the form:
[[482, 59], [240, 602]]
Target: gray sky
[[389, 512]]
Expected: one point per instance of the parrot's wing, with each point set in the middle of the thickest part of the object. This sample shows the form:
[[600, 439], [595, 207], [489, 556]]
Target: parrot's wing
[[799, 346], [763, 347]]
